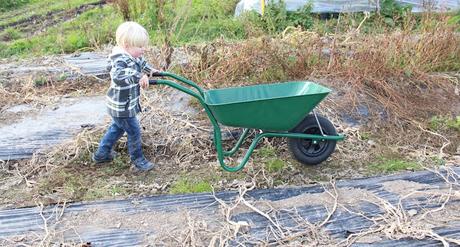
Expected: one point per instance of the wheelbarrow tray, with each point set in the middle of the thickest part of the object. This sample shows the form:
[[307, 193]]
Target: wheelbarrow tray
[[271, 107]]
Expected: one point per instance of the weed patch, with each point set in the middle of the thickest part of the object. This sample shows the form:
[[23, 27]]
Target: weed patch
[[266, 152], [188, 185], [10, 34], [274, 165], [394, 165], [438, 123]]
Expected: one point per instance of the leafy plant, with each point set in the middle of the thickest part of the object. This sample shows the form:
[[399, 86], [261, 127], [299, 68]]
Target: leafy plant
[[393, 12], [301, 18], [276, 18]]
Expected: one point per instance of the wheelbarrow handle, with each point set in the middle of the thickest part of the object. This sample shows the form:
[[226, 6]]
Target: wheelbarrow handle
[[178, 78], [156, 73]]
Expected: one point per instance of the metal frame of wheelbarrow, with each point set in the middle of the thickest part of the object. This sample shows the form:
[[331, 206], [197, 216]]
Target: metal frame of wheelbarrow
[[221, 154]]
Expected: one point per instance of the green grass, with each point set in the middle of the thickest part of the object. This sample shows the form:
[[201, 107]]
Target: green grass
[[66, 182], [275, 165], [364, 136], [40, 81], [267, 152], [102, 190], [117, 166], [189, 185], [10, 34], [267, 155], [90, 30], [89, 182], [393, 165], [39, 7], [6, 5], [197, 22], [443, 122]]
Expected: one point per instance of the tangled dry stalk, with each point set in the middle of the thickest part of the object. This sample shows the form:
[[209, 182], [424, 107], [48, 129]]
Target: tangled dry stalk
[[394, 222], [397, 223], [176, 135], [230, 232]]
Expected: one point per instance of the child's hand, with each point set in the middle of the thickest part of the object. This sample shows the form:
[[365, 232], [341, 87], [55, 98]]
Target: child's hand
[[144, 81]]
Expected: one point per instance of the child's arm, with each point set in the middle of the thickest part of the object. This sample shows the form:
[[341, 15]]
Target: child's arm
[[123, 75]]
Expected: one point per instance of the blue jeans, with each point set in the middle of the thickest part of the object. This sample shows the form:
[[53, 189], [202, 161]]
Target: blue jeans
[[119, 126]]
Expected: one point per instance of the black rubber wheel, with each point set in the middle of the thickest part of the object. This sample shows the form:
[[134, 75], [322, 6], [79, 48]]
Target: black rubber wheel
[[310, 152]]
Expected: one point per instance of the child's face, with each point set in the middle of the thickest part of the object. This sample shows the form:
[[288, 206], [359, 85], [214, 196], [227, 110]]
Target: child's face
[[135, 51]]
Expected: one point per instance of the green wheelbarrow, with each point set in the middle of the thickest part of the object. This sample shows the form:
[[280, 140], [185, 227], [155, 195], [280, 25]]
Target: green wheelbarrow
[[277, 110]]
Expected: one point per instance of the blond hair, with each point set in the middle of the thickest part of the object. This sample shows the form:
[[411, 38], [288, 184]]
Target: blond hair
[[131, 34]]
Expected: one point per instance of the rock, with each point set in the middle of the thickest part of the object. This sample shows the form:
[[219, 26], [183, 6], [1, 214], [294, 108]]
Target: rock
[[136, 202], [244, 226], [412, 212]]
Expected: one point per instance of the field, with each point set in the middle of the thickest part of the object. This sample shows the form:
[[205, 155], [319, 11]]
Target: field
[[395, 77]]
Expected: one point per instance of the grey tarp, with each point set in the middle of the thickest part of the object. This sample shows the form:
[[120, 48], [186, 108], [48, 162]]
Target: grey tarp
[[49, 126], [139, 221], [338, 6], [38, 129]]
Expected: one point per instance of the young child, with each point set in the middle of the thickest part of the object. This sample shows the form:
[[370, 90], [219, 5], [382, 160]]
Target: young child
[[128, 74]]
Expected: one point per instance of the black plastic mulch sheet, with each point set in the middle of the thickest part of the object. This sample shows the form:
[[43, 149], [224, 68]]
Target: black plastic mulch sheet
[[164, 219]]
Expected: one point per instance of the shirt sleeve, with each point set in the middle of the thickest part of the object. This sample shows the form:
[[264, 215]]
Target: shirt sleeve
[[146, 67], [123, 75]]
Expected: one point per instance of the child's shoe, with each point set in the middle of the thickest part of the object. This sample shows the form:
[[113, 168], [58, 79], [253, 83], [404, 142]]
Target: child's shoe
[[97, 158], [142, 165]]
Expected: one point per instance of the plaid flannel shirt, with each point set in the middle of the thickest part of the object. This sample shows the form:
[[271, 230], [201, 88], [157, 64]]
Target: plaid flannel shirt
[[124, 92]]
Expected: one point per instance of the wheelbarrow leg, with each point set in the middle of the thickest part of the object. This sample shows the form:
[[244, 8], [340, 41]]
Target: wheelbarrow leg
[[238, 143], [221, 154]]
